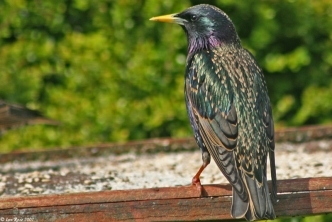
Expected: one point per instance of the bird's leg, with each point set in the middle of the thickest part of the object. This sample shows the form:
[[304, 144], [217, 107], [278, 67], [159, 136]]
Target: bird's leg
[[196, 181]]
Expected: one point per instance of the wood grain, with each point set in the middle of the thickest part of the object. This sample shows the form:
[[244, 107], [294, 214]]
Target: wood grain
[[305, 196]]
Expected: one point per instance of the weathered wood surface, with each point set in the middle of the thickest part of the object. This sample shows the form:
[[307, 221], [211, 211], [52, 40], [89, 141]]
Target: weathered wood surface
[[296, 197], [293, 135]]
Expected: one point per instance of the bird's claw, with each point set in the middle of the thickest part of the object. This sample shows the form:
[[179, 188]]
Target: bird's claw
[[197, 183]]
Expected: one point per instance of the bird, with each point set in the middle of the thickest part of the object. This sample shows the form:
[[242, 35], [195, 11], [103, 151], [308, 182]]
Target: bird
[[13, 116], [229, 109]]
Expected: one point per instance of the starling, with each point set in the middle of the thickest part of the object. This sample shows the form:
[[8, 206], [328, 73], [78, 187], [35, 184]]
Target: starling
[[229, 108], [12, 116]]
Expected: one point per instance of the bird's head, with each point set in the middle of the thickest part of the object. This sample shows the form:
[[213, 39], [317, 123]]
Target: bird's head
[[206, 26]]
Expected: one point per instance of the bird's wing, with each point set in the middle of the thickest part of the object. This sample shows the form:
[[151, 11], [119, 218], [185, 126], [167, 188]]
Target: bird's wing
[[269, 130], [215, 116], [264, 110]]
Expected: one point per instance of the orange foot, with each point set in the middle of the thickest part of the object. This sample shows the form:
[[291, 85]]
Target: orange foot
[[197, 183]]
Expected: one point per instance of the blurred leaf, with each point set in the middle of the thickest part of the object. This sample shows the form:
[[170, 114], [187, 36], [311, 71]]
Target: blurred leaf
[[109, 74]]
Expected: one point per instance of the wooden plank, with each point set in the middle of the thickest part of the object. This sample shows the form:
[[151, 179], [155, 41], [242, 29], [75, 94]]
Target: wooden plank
[[295, 135], [296, 197]]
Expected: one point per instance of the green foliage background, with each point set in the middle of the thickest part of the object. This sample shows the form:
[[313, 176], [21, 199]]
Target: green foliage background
[[109, 74]]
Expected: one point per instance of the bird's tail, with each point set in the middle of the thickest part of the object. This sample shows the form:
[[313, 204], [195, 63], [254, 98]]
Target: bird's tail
[[259, 205]]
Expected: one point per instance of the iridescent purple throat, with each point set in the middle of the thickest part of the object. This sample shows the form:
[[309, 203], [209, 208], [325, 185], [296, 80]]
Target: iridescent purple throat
[[201, 43]]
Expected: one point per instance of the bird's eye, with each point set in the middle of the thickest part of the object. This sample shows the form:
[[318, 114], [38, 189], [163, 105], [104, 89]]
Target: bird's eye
[[193, 18]]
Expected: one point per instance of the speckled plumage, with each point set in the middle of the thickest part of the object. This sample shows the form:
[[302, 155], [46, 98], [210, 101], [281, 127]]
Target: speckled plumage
[[229, 108]]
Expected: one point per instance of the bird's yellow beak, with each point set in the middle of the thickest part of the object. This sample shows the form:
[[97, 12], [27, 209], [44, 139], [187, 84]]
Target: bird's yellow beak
[[164, 18], [171, 18]]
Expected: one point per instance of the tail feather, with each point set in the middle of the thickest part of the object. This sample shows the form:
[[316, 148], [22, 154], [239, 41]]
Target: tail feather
[[257, 197], [239, 207], [273, 176], [259, 205]]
